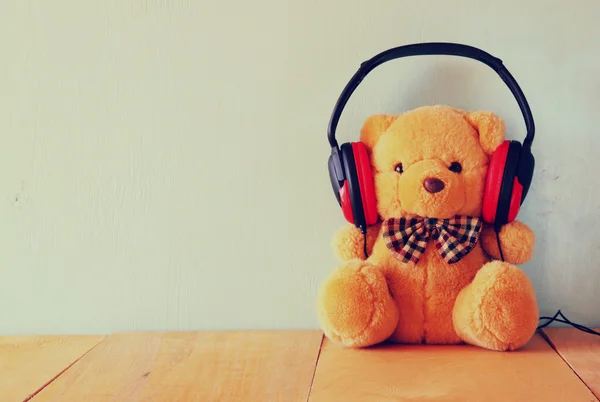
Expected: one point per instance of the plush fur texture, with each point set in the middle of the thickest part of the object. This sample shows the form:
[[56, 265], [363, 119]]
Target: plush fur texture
[[477, 300]]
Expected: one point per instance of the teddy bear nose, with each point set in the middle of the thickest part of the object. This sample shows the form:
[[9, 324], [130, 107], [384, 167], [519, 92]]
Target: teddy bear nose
[[433, 185]]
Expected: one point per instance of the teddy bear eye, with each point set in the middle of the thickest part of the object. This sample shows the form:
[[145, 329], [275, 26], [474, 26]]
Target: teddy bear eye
[[455, 167], [398, 168]]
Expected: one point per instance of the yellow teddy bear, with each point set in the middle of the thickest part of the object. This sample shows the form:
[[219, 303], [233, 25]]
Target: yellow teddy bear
[[434, 272]]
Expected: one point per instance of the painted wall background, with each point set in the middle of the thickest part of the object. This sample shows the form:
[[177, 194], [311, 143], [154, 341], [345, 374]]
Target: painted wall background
[[163, 163]]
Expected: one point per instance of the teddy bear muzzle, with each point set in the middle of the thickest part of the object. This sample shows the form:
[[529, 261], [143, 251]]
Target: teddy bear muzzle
[[433, 185]]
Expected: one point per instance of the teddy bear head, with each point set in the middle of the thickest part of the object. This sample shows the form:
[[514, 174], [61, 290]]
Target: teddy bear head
[[432, 161]]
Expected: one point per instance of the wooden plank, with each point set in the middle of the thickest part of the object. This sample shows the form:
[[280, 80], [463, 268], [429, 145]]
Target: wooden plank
[[193, 366], [28, 363], [446, 373], [580, 351]]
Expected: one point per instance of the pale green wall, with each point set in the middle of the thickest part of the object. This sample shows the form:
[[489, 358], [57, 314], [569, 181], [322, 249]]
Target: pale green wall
[[163, 163]]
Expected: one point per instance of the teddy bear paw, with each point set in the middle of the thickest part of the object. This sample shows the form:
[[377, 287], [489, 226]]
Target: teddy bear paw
[[355, 306], [498, 310]]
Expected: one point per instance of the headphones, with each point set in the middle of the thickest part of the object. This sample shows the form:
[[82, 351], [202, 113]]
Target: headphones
[[511, 165]]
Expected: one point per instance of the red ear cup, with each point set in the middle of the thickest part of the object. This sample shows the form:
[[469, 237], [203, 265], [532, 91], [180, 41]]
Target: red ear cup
[[345, 203], [357, 193], [366, 182], [503, 192], [493, 182], [515, 201]]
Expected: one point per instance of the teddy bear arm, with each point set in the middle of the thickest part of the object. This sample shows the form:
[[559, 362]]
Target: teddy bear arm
[[517, 241], [348, 242]]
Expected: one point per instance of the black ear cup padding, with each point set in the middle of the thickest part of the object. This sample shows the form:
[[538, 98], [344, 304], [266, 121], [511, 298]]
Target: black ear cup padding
[[525, 170]]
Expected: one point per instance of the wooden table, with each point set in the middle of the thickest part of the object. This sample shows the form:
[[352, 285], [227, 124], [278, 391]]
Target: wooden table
[[256, 366]]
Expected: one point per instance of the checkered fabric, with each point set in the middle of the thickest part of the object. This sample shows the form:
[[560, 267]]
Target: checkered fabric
[[454, 238]]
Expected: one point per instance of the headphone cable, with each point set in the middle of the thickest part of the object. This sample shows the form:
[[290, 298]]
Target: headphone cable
[[565, 320], [499, 245], [555, 318]]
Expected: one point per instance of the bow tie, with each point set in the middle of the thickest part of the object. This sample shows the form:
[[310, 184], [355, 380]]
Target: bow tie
[[454, 237]]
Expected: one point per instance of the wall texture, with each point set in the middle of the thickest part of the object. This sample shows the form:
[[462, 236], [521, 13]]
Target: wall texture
[[163, 163]]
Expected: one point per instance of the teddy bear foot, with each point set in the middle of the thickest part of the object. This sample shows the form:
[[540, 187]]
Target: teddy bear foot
[[355, 306], [498, 310]]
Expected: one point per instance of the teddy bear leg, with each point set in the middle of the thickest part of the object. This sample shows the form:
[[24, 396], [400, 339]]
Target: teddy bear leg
[[498, 309], [355, 305]]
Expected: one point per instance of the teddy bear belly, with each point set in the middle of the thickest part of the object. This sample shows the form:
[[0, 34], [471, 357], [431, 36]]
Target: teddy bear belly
[[425, 294]]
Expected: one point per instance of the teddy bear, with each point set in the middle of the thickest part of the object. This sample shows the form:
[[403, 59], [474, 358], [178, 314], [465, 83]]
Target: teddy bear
[[429, 167]]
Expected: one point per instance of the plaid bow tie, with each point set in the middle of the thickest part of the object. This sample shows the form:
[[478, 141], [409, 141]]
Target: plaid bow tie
[[454, 237]]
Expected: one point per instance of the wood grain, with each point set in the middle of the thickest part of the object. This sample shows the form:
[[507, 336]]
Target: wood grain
[[193, 366], [580, 351], [28, 363], [445, 373]]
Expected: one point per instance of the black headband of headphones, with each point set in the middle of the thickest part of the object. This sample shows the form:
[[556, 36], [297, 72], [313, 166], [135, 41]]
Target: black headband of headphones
[[419, 49]]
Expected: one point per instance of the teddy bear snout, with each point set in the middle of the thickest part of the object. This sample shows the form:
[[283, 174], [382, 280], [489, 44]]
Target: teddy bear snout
[[433, 185]]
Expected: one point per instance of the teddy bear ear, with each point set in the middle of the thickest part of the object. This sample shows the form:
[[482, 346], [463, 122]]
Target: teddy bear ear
[[490, 127], [374, 127]]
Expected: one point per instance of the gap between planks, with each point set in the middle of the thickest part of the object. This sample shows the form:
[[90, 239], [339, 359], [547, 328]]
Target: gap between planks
[[582, 363], [62, 371], [312, 381]]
